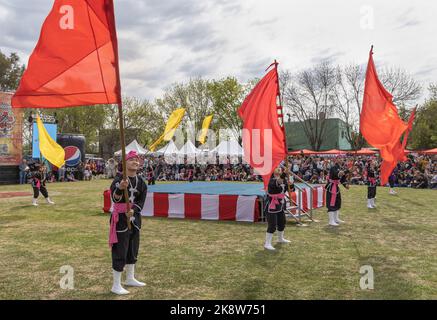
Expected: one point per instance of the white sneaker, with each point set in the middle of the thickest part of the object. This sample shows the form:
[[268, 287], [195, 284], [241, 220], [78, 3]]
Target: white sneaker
[[332, 219], [281, 238], [34, 202], [116, 287], [49, 201], [392, 192], [268, 243], [130, 277]]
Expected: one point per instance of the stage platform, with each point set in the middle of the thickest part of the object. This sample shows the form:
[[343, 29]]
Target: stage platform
[[233, 201], [227, 188]]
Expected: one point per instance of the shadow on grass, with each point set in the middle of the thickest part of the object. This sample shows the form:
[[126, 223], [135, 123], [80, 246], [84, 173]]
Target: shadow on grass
[[5, 220], [251, 289], [413, 203], [396, 225]]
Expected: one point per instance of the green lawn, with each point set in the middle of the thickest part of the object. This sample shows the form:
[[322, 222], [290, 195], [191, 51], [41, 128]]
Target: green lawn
[[182, 259]]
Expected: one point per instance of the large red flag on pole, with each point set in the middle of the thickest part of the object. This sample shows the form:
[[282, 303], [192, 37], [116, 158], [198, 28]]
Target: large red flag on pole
[[263, 135], [380, 123], [75, 62]]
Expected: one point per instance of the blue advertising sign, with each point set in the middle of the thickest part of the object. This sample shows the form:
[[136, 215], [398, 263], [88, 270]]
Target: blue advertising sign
[[51, 129]]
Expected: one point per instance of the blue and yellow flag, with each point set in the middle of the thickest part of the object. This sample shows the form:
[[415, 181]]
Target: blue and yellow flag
[[51, 151]]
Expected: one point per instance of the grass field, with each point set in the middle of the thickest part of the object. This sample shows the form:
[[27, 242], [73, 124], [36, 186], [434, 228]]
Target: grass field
[[182, 259]]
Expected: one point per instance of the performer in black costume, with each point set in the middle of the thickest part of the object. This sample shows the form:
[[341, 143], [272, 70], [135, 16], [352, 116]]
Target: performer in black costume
[[125, 242], [333, 195], [371, 186], [38, 178], [276, 208]]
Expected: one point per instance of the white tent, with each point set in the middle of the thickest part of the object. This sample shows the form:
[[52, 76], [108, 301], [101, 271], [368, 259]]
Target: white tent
[[169, 149], [228, 148], [189, 149], [133, 146]]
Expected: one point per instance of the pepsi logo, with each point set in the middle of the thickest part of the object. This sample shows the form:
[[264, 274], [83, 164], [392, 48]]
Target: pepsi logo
[[72, 156]]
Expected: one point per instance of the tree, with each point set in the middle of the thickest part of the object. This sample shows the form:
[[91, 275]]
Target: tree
[[308, 96], [424, 133], [349, 90], [194, 96], [140, 116], [10, 71], [227, 95]]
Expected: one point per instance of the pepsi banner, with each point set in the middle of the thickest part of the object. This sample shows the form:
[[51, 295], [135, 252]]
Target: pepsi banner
[[74, 146]]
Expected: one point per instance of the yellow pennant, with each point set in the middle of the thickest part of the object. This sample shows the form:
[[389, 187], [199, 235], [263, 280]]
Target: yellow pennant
[[51, 151], [205, 126], [172, 124]]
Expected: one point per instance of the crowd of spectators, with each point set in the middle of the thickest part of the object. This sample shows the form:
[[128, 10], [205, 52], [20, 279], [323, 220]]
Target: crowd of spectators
[[419, 171]]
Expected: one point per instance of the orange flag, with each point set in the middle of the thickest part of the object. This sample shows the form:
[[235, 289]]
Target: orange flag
[[380, 123], [76, 59], [263, 136]]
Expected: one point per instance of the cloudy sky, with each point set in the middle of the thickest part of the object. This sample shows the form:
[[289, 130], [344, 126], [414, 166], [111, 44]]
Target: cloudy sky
[[167, 41]]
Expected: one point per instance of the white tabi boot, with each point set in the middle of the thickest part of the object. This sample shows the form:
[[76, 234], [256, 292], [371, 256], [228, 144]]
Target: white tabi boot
[[268, 244], [369, 204], [373, 203], [281, 238], [34, 201], [116, 287], [49, 201], [337, 217], [130, 277], [332, 219]]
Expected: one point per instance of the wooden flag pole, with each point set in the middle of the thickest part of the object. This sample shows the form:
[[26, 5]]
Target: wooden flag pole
[[123, 159], [281, 116]]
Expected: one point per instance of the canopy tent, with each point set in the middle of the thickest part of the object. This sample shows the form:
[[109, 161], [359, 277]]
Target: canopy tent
[[333, 152], [228, 148], [133, 146], [169, 149], [189, 149], [303, 151], [430, 152], [364, 152]]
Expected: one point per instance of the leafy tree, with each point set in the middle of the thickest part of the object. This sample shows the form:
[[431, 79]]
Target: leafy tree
[[10, 71]]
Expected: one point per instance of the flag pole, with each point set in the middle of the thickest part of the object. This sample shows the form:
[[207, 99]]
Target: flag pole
[[123, 158], [281, 116]]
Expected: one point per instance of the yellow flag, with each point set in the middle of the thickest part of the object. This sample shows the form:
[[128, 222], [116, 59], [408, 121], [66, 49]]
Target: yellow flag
[[172, 124], [205, 126], [52, 151]]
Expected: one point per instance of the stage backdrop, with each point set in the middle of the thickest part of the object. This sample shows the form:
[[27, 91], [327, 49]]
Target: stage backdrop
[[11, 130]]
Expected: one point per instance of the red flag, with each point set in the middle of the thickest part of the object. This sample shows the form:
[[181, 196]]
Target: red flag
[[263, 136], [380, 123], [76, 59]]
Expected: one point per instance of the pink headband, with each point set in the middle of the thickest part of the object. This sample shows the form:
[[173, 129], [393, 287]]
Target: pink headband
[[131, 154]]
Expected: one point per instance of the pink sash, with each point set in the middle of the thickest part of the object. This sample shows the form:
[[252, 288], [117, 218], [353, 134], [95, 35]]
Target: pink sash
[[117, 209], [275, 199], [334, 187]]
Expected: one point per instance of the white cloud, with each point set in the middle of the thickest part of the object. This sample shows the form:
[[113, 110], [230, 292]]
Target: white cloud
[[162, 42]]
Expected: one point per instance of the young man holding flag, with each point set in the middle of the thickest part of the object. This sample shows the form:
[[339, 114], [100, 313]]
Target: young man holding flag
[[124, 240]]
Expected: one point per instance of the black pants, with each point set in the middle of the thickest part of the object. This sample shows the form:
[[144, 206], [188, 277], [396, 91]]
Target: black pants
[[125, 251], [43, 191], [275, 221], [371, 192]]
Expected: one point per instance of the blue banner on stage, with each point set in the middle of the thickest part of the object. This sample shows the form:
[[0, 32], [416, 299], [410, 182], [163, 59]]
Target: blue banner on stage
[[51, 129]]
